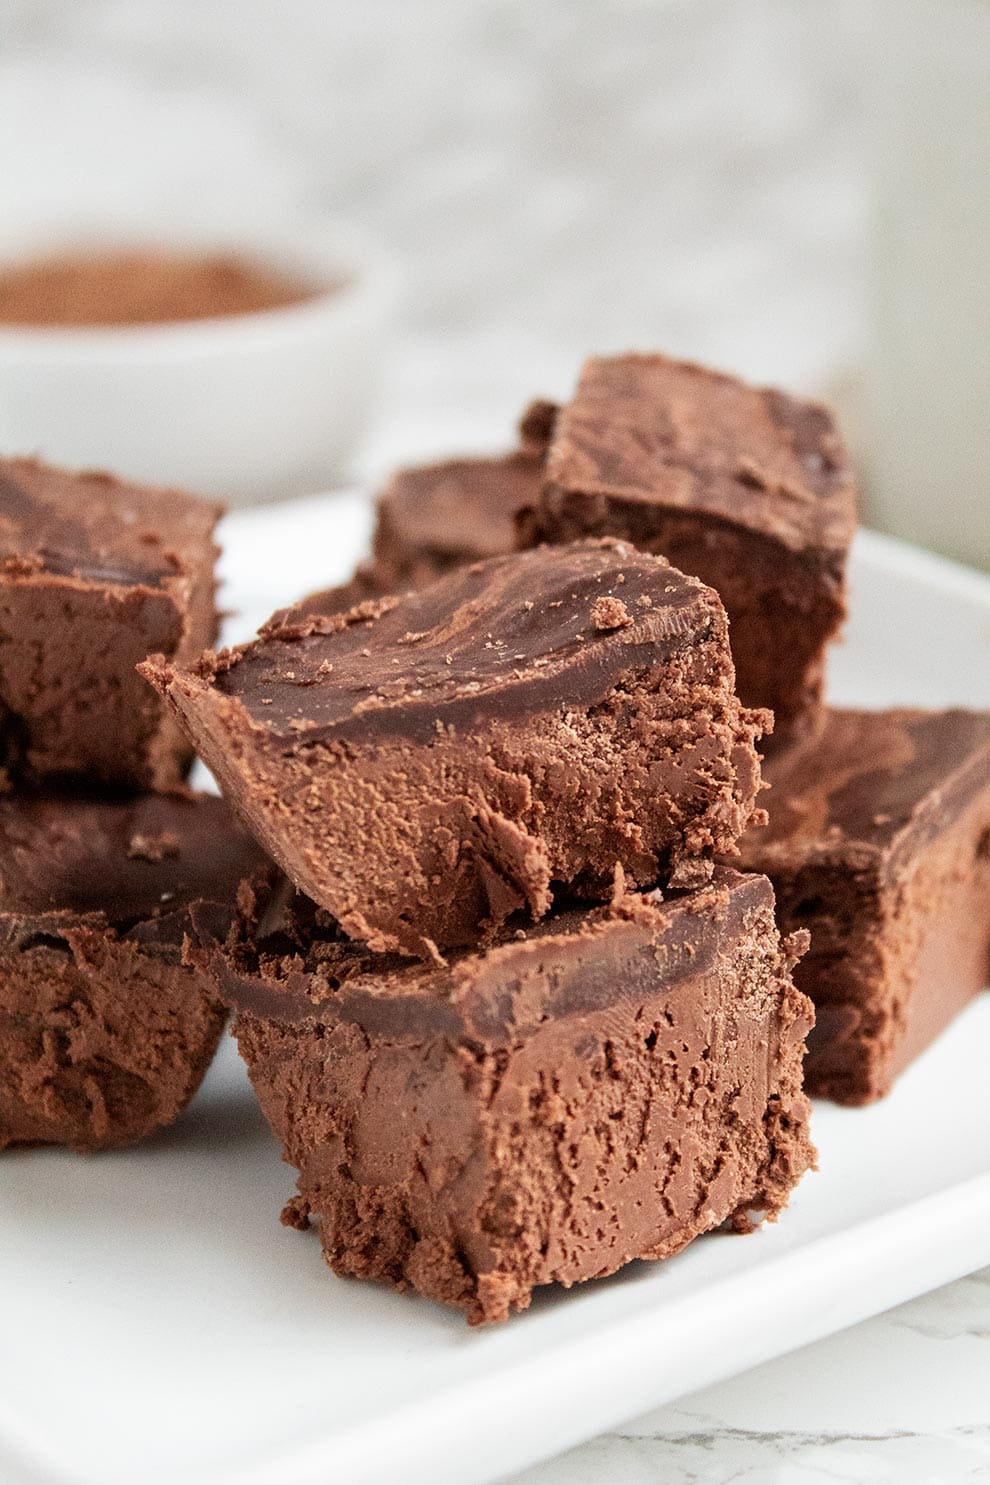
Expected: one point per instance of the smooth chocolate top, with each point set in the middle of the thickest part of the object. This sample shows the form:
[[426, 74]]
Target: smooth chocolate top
[[95, 529], [297, 962], [117, 861], [647, 428], [459, 510], [514, 635], [870, 779]]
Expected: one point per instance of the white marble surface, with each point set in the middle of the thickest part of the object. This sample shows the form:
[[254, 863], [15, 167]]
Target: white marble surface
[[903, 1399]]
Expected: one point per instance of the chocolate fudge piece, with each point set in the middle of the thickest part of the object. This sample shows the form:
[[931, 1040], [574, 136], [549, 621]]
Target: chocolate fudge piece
[[536, 426], [748, 489], [95, 575], [427, 765], [604, 1087], [879, 843], [366, 584], [104, 1033], [439, 516]]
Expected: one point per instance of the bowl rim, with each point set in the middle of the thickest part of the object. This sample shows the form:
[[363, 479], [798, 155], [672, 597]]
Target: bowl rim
[[357, 275]]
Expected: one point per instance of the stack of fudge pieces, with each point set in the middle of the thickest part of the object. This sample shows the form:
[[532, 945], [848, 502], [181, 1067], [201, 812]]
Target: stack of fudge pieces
[[522, 953], [879, 821], [105, 1031], [517, 999], [508, 1017]]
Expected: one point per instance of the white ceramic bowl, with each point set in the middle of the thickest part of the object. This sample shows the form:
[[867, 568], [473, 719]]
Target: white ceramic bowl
[[249, 407]]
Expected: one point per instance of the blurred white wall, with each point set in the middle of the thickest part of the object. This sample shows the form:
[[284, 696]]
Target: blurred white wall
[[554, 175]]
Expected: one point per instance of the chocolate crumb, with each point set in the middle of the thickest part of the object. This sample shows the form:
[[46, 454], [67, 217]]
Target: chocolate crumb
[[295, 1213], [153, 847], [610, 613]]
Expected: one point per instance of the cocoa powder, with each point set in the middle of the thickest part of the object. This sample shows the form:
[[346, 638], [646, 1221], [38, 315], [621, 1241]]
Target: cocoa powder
[[141, 288]]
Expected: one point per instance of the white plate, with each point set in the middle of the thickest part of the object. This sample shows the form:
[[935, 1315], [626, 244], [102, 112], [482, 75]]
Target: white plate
[[157, 1325]]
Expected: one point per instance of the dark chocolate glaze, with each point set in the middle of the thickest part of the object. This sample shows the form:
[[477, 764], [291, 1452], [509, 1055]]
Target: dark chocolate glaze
[[869, 777], [511, 636], [122, 862], [95, 529], [647, 428], [297, 967]]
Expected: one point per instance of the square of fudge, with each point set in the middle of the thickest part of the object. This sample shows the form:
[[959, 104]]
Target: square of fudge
[[536, 426], [439, 516], [435, 517], [95, 576], [879, 844], [745, 487], [603, 1087], [105, 1033], [426, 766]]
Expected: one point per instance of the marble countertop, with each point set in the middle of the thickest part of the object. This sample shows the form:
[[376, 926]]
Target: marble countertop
[[902, 1399]]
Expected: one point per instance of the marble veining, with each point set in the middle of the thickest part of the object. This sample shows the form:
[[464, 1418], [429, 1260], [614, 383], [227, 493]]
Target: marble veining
[[902, 1399]]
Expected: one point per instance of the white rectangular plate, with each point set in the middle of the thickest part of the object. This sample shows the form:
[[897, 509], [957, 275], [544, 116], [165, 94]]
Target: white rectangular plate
[[158, 1325]]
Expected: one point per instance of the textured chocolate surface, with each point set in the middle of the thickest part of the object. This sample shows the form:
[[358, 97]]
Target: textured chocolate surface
[[105, 1034], [747, 488], [517, 635], [879, 843], [439, 516], [95, 575], [604, 1087], [367, 584], [426, 766], [97, 529], [536, 426], [123, 861], [435, 517], [649, 428], [301, 968], [878, 781]]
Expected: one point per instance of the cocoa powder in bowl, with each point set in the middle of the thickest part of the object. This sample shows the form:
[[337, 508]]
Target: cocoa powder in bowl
[[142, 288]]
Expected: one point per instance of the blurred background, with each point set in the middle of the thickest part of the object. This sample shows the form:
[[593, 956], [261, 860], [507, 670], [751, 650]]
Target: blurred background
[[797, 192]]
